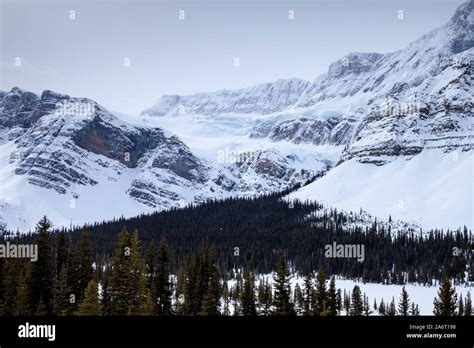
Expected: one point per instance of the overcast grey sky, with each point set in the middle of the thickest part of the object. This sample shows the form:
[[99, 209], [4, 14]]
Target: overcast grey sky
[[86, 56]]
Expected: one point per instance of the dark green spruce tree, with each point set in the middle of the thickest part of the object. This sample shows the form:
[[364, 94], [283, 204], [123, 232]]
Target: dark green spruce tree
[[80, 270], [414, 310], [63, 295], [321, 294], [180, 297], [332, 299], [392, 309], [126, 282], [248, 298], [404, 303], [225, 299], [460, 306], [357, 305], [151, 261], [281, 282], [382, 308], [14, 275], [308, 295], [90, 304], [211, 301], [468, 305], [163, 284], [366, 306], [298, 299], [265, 297], [138, 278], [445, 303], [41, 278]]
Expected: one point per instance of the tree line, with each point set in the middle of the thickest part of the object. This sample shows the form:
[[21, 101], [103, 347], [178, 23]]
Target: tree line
[[71, 278], [259, 229]]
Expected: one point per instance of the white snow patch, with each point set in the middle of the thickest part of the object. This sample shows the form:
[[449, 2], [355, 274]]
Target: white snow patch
[[428, 189]]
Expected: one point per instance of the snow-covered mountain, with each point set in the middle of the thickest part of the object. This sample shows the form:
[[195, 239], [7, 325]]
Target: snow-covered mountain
[[266, 98], [393, 132], [419, 128], [380, 109], [74, 160], [378, 105]]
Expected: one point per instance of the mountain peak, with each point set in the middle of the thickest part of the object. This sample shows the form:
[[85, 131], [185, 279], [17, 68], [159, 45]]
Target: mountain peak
[[463, 13], [48, 94], [462, 25], [354, 63], [18, 90]]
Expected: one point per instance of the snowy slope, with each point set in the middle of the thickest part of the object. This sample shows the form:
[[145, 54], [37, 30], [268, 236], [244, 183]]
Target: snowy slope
[[432, 189]]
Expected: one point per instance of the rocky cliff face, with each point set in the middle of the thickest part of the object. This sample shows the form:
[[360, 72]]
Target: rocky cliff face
[[262, 99], [379, 106], [75, 147]]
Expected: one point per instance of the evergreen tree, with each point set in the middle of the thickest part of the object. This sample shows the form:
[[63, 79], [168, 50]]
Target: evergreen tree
[[211, 301], [40, 281], [298, 299], [366, 306], [308, 295], [445, 304], [107, 308], [414, 310], [468, 305], [382, 307], [356, 306], [404, 303], [338, 301], [332, 306], [194, 291], [90, 304], [149, 306], [321, 294], [236, 291], [265, 297], [392, 309], [202, 284], [22, 295], [163, 283], [137, 288], [120, 283], [461, 305], [347, 302], [62, 251], [225, 299], [80, 269], [180, 308], [248, 294], [151, 261], [14, 273], [41, 309], [281, 279], [62, 293]]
